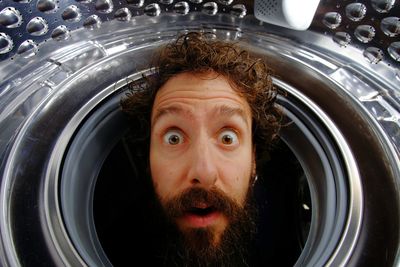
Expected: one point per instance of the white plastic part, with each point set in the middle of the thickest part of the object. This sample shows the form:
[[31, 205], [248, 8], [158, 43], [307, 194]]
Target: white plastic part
[[292, 14]]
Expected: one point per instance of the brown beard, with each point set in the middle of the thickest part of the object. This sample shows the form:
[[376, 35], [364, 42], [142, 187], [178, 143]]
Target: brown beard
[[196, 246]]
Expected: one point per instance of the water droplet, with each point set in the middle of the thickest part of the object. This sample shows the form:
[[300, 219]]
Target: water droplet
[[135, 3], [356, 11], [342, 38], [123, 14], [238, 10], [225, 2], [60, 33], [166, 2], [382, 6], [104, 6], [210, 8], [181, 8], [196, 1], [47, 6], [152, 10], [391, 26], [37, 26], [71, 14], [364, 33], [10, 17], [84, 1], [23, 1], [6, 43], [27, 49], [332, 20], [373, 54], [394, 50], [92, 22]]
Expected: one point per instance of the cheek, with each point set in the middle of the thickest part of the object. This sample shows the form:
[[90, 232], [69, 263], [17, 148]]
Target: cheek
[[236, 177], [156, 169], [164, 174]]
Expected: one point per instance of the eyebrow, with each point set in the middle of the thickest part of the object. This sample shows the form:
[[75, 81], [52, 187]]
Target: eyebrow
[[224, 110], [170, 110], [228, 111]]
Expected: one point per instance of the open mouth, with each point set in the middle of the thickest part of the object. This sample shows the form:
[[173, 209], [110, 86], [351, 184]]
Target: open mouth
[[201, 211], [196, 217]]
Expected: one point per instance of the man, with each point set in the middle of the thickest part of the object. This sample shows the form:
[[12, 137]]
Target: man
[[203, 119]]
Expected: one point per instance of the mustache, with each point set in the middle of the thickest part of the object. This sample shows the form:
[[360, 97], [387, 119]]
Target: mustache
[[197, 198]]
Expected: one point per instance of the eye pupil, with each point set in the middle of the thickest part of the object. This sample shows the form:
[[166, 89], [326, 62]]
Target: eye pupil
[[227, 139], [174, 139]]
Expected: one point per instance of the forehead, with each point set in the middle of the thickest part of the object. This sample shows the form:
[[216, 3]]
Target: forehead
[[199, 87]]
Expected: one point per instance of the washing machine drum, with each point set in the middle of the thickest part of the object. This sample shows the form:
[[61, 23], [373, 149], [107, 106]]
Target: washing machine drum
[[328, 195]]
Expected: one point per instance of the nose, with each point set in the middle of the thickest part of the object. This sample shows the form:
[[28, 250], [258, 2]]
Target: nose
[[203, 168]]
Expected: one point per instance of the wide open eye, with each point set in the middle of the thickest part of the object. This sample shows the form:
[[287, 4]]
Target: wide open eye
[[173, 137], [228, 137]]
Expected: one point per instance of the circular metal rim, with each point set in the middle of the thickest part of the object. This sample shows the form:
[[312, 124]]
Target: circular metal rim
[[315, 251], [20, 137], [350, 183]]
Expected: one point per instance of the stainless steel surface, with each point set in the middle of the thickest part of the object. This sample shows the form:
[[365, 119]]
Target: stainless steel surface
[[51, 50], [370, 24], [336, 219], [35, 33], [354, 211]]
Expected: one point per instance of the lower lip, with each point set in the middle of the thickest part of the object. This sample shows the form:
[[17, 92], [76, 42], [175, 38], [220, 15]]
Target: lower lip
[[196, 221]]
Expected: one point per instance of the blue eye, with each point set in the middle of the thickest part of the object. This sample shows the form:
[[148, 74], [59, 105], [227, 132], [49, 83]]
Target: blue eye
[[173, 137], [228, 137]]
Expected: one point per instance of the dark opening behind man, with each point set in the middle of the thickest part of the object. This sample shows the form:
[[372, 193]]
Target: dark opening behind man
[[201, 123]]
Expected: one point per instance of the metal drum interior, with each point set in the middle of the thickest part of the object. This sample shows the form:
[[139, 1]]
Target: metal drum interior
[[64, 67]]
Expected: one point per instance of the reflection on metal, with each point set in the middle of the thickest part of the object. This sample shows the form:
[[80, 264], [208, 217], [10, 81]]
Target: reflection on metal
[[47, 6], [92, 22], [71, 14], [361, 24], [394, 50], [181, 8], [10, 17], [356, 11], [332, 20], [95, 59], [60, 33], [6, 43], [364, 33], [104, 6], [48, 46], [391, 26], [373, 54], [37, 26], [382, 6], [28, 48], [123, 14], [342, 38], [152, 10], [344, 222]]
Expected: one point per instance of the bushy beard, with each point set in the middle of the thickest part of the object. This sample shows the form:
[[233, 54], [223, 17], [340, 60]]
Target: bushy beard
[[197, 246]]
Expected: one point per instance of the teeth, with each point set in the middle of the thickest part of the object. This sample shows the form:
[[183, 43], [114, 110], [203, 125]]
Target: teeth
[[200, 205]]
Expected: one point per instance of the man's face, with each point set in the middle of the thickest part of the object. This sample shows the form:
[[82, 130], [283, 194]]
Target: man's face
[[201, 138]]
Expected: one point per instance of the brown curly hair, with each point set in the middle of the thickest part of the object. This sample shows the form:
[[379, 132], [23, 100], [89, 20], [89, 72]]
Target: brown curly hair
[[198, 53]]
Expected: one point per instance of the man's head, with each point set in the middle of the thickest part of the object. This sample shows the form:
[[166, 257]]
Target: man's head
[[210, 110]]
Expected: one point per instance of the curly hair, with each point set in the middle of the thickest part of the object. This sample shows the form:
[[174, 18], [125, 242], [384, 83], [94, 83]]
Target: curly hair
[[196, 52]]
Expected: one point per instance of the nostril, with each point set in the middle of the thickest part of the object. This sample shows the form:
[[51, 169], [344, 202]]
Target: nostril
[[206, 180], [195, 181]]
